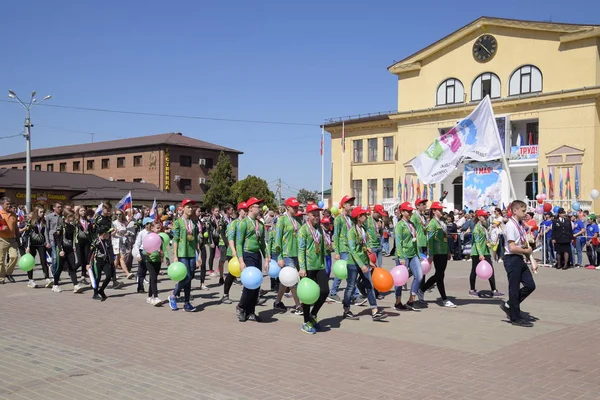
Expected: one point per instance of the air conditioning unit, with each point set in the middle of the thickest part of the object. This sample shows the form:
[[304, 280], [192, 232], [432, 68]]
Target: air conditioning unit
[[202, 161], [201, 181], [177, 178]]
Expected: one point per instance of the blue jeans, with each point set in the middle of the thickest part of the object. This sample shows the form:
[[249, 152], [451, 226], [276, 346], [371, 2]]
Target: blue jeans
[[328, 265], [54, 256], [414, 265], [579, 245], [385, 246], [353, 272], [335, 286], [550, 256], [186, 284], [379, 256]]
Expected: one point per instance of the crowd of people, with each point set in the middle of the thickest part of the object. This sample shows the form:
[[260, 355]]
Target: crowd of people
[[90, 243]]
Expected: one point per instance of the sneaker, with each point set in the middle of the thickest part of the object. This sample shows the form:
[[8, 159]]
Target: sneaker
[[308, 328], [31, 284], [130, 275], [378, 316], [203, 287], [279, 306], [78, 288], [156, 302], [84, 281], [10, 278], [449, 304], [288, 295], [334, 298], [597, 267], [221, 281], [315, 323], [146, 281], [400, 307], [189, 308], [173, 303], [141, 290], [253, 318], [237, 282], [49, 283], [241, 314], [226, 300], [261, 301], [96, 297], [117, 285], [360, 300], [522, 323], [420, 295], [298, 310], [506, 310], [56, 289], [590, 267], [380, 297], [349, 315], [211, 273], [473, 293], [412, 307], [262, 293], [149, 300], [498, 294]]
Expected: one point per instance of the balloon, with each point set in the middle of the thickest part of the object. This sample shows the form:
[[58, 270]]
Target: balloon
[[288, 276], [540, 200], [340, 269], [539, 209], [422, 256], [177, 271], [543, 196], [265, 208], [334, 210], [205, 234], [320, 204], [400, 275], [484, 270], [252, 277], [164, 237], [555, 209], [172, 208], [308, 291], [151, 242], [576, 206], [425, 266], [26, 262], [233, 266], [538, 197], [547, 207], [382, 280], [594, 194], [274, 269], [373, 258]]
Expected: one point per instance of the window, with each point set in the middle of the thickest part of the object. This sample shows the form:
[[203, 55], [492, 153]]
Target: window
[[106, 163], [357, 190], [373, 150], [137, 161], [209, 163], [120, 180], [185, 184], [14, 167], [120, 162], [388, 188], [137, 180], [24, 167], [358, 150], [185, 161], [526, 79], [451, 91], [372, 191], [76, 165], [90, 165], [485, 84], [38, 167], [62, 167], [529, 185], [388, 148], [50, 167]]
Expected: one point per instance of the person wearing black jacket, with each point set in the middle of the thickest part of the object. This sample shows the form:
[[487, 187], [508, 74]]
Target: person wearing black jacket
[[214, 236], [64, 238], [101, 260], [562, 235], [83, 240], [35, 243]]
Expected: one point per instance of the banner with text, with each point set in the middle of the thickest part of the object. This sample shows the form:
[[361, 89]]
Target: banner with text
[[482, 185]]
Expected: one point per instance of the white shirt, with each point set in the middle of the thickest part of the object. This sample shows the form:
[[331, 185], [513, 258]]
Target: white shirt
[[139, 243], [512, 234]]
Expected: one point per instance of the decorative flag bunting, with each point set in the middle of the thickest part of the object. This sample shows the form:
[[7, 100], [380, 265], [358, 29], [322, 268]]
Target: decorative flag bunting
[[568, 184], [431, 192], [412, 189], [577, 181], [343, 137], [405, 187], [400, 189], [560, 185], [543, 182], [425, 192], [550, 184], [418, 189], [534, 182]]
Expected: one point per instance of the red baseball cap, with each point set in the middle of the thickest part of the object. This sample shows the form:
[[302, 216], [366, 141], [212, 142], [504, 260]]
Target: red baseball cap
[[346, 199], [242, 206], [419, 201], [186, 202], [406, 206], [252, 201], [378, 208], [299, 214], [325, 221], [481, 213], [312, 207], [436, 205], [292, 202], [358, 211]]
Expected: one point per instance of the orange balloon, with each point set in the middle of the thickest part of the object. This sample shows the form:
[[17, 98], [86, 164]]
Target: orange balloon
[[382, 280]]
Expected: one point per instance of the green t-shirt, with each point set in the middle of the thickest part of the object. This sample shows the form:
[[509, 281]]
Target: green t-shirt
[[340, 233], [357, 246], [286, 236], [231, 234], [185, 247], [406, 247], [437, 238], [479, 246], [311, 255], [373, 236], [420, 225], [250, 238]]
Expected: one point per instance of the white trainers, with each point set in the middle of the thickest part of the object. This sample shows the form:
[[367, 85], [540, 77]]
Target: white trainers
[[31, 284], [156, 302], [56, 289], [78, 288], [449, 304], [49, 283], [149, 300], [203, 287]]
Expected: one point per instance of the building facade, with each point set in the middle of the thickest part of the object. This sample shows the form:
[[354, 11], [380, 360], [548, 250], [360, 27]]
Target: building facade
[[544, 82], [172, 162]]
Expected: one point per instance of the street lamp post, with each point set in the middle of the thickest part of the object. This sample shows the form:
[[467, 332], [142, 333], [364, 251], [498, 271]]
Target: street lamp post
[[27, 134]]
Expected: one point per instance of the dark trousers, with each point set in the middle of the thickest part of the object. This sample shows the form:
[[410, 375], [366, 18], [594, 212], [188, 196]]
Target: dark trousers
[[473, 276], [66, 262], [203, 262], [186, 284], [153, 268], [321, 278], [41, 250], [250, 296], [108, 269], [141, 272], [592, 254], [518, 273], [82, 255], [440, 262], [211, 258]]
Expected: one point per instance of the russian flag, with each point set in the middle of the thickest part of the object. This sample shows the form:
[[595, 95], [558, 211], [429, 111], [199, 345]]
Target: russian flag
[[98, 209], [125, 203], [153, 213], [20, 215]]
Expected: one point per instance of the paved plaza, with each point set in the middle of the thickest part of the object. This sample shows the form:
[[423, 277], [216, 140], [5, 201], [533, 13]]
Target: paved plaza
[[66, 346]]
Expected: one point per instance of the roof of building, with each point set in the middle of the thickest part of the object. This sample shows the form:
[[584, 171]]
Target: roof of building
[[173, 139]]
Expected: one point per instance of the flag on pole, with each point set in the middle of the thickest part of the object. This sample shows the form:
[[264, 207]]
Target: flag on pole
[[343, 137], [534, 182], [153, 211], [412, 188], [560, 185], [125, 203], [405, 187], [98, 209], [20, 215], [322, 145], [400, 189], [431, 192], [550, 184], [519, 140], [476, 137], [576, 181], [568, 184], [418, 189], [425, 192], [543, 182]]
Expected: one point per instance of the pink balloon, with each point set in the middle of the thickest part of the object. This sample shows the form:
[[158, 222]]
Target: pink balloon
[[217, 253], [400, 275], [539, 209], [425, 266], [543, 195], [484, 270], [151, 242]]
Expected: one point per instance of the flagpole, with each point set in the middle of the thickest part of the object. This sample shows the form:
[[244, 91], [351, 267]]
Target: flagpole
[[322, 163], [343, 157], [503, 152]]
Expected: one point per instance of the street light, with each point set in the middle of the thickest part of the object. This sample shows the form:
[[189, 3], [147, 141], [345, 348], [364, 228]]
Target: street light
[[27, 134]]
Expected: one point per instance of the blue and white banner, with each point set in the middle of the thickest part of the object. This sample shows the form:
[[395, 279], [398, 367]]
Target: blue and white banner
[[482, 185]]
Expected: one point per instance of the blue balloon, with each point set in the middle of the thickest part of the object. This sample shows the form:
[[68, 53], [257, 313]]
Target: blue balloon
[[576, 206], [251, 278], [274, 269], [423, 256], [555, 209], [320, 204], [172, 208]]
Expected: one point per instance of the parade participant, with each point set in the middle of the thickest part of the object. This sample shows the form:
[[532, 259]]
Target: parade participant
[[83, 241], [102, 261], [286, 246], [250, 242], [35, 243], [232, 250], [374, 232], [579, 233], [419, 221], [562, 234], [516, 268], [148, 261], [214, 237], [592, 242], [9, 248], [407, 254], [121, 236], [138, 253], [270, 227], [201, 253], [328, 237], [65, 242], [226, 219], [359, 266], [480, 251], [52, 221], [437, 249], [104, 219], [185, 243], [311, 258]]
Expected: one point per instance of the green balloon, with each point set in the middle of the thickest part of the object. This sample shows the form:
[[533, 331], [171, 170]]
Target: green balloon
[[165, 242], [177, 271], [334, 210], [308, 291], [265, 208], [26, 262], [340, 269], [205, 234]]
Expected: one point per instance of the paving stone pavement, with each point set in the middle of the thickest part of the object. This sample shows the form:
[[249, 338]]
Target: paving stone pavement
[[67, 346]]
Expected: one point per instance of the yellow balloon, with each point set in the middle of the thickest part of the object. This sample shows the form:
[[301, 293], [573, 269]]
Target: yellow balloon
[[234, 267]]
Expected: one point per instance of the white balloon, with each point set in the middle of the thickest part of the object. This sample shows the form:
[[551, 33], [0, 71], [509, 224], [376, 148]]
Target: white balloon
[[288, 276], [594, 194]]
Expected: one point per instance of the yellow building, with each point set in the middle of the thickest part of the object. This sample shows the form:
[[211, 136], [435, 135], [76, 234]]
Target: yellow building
[[544, 82]]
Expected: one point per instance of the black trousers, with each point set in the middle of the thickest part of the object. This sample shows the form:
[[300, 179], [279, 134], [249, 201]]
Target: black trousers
[[203, 262], [66, 262], [153, 268], [82, 255], [141, 272], [473, 276], [250, 296], [321, 278], [518, 273], [440, 262], [108, 270], [41, 250]]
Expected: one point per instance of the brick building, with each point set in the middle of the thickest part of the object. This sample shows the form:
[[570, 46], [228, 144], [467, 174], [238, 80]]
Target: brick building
[[172, 162]]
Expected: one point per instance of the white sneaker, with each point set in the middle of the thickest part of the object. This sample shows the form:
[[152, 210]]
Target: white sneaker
[[156, 302], [78, 288], [49, 283], [31, 284], [212, 274], [449, 304], [56, 289], [288, 295], [203, 287], [420, 295], [149, 300]]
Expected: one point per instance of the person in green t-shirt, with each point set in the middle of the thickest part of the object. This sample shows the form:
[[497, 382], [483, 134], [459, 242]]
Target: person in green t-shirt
[[480, 251], [231, 249], [375, 231], [407, 254]]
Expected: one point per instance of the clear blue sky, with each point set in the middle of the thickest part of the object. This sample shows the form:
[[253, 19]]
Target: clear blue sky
[[264, 60]]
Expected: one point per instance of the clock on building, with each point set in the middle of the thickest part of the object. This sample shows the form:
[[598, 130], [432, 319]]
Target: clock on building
[[484, 48]]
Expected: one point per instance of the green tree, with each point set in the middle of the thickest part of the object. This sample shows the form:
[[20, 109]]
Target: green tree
[[220, 183], [253, 186], [305, 194]]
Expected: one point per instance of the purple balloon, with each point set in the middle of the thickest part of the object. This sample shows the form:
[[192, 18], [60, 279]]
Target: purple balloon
[[539, 209], [151, 242], [425, 266], [400, 275], [484, 270]]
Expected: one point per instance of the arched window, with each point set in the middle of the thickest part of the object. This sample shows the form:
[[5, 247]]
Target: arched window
[[485, 84], [450, 91], [526, 79], [457, 184], [530, 183]]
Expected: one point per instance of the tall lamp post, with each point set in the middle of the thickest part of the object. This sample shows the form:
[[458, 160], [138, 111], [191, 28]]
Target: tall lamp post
[[27, 134]]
